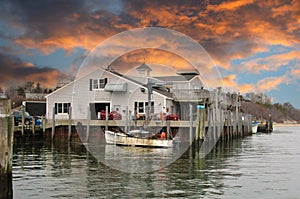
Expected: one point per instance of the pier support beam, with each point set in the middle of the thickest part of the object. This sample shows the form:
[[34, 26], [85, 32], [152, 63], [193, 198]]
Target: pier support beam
[[70, 123], [106, 118], [191, 124], [201, 120], [53, 123], [88, 119], [6, 150]]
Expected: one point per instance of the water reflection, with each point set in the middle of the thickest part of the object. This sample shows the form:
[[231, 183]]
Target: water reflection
[[56, 169]]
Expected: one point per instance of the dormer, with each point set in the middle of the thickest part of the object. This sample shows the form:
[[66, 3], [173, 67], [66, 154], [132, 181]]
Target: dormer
[[144, 69]]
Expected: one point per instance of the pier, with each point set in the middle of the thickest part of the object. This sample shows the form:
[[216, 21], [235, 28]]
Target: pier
[[211, 119]]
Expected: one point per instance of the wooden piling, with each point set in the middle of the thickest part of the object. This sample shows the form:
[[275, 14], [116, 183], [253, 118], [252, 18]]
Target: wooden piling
[[6, 154], [88, 119], [33, 126], [106, 118], [23, 119], [126, 119], [53, 123], [191, 124], [70, 123], [168, 129], [201, 120], [43, 124]]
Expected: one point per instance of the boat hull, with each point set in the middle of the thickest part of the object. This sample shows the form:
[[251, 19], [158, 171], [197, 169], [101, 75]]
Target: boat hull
[[125, 140], [254, 127]]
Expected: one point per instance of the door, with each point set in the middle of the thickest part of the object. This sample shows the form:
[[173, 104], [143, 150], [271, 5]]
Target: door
[[98, 107]]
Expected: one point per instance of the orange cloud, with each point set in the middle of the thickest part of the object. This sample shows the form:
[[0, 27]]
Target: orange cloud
[[231, 84], [270, 63], [270, 83], [296, 72], [230, 5], [47, 79]]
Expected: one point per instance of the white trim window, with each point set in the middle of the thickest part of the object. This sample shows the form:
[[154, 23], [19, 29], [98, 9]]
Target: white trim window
[[98, 84], [140, 107], [62, 108]]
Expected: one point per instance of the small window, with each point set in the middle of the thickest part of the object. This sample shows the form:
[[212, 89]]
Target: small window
[[66, 108], [101, 83], [59, 108], [95, 84], [141, 107], [62, 108], [98, 83]]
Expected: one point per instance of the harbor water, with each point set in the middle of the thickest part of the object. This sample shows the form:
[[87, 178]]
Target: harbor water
[[258, 166]]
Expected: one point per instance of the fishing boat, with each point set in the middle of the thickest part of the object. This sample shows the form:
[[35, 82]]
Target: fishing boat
[[254, 126], [139, 138]]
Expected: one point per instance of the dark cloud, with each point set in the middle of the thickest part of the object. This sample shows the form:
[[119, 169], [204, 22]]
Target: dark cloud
[[15, 70], [228, 30]]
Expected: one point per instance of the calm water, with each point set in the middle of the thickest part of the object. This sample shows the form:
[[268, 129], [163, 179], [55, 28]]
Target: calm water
[[259, 166]]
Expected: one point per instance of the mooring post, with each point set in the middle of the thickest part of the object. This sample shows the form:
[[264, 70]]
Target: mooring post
[[126, 119], [6, 154], [197, 132], [70, 123], [191, 124], [214, 122], [201, 110], [88, 118], [168, 128], [33, 126], [23, 119], [43, 124], [106, 118], [53, 122]]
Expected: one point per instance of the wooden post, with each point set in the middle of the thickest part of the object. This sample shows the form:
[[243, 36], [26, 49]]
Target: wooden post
[[44, 124], [6, 154], [70, 123], [197, 133], [106, 118], [53, 122], [191, 124], [168, 128], [214, 122], [23, 119], [33, 126], [209, 120], [88, 118], [201, 121], [126, 119]]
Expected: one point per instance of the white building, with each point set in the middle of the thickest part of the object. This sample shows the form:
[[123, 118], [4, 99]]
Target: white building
[[105, 87]]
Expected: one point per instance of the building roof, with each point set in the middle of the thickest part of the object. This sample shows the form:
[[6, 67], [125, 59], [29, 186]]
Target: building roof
[[144, 67], [111, 71], [175, 78]]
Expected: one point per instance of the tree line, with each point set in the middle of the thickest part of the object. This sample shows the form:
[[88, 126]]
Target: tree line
[[17, 93]]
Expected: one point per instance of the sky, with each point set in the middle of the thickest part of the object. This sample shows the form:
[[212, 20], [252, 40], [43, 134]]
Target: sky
[[254, 43]]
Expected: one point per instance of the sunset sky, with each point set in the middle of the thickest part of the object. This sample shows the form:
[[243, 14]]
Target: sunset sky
[[255, 43]]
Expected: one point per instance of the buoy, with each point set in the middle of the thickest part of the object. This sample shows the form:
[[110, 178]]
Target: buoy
[[163, 135]]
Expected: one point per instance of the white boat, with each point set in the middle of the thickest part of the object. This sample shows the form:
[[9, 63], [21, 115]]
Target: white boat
[[254, 126], [131, 139]]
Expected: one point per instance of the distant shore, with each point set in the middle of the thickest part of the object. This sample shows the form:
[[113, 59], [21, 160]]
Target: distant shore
[[285, 124]]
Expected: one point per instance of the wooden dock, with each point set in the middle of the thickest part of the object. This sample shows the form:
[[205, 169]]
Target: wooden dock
[[218, 117], [223, 124]]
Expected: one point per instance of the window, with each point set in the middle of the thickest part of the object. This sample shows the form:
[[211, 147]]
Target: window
[[96, 84], [62, 108], [141, 107], [102, 83]]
